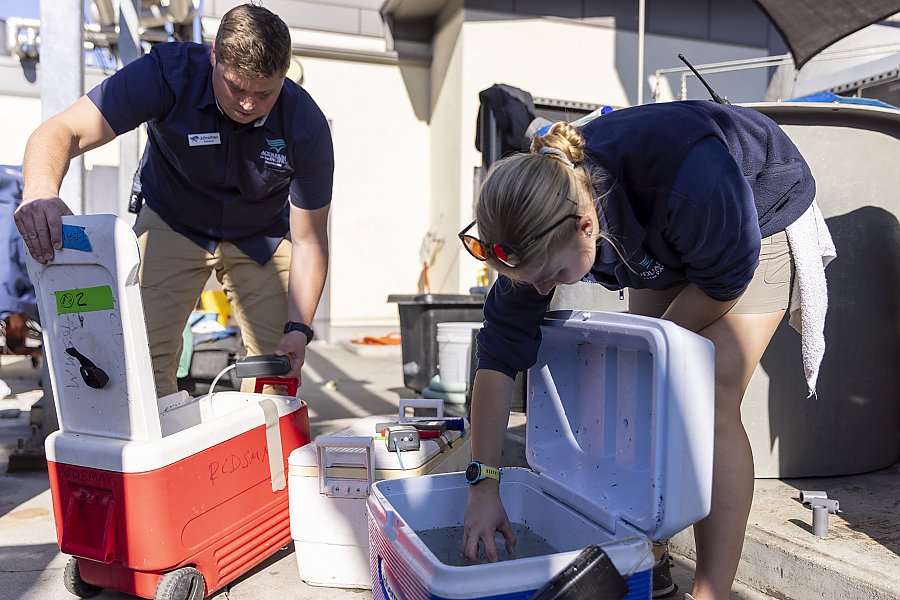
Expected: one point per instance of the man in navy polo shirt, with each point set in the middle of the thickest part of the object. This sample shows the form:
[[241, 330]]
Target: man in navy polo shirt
[[237, 179]]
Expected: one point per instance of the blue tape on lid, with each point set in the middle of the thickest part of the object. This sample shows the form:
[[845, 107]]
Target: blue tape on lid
[[75, 238]]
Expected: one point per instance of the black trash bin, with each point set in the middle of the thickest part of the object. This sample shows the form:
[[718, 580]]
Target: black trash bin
[[419, 317]]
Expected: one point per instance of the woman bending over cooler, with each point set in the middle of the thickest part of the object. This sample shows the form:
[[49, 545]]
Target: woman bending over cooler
[[684, 203]]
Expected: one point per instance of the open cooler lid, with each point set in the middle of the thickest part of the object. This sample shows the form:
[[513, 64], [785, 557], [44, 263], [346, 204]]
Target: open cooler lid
[[95, 340], [620, 419]]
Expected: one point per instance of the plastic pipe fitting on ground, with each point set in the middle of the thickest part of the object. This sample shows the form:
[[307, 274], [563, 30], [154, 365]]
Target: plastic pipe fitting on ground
[[821, 505], [807, 496], [832, 506], [820, 521]]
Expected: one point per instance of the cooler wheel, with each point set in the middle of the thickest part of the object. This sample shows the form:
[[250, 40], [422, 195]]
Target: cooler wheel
[[185, 583], [75, 584]]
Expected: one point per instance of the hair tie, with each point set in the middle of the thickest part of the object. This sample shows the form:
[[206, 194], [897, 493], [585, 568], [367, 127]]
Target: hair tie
[[557, 153]]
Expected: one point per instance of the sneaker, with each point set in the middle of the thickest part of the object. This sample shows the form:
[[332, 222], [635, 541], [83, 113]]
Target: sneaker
[[663, 584]]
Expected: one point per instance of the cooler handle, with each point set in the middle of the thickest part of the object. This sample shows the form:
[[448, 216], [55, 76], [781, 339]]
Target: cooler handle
[[323, 442], [435, 403], [391, 525], [265, 367], [81, 514], [292, 384]]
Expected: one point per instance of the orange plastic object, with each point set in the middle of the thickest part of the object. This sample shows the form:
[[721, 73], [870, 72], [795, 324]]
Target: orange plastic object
[[214, 510], [391, 339]]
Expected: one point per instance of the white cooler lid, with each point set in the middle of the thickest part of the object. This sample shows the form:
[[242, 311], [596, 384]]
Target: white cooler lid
[[89, 299], [620, 419]]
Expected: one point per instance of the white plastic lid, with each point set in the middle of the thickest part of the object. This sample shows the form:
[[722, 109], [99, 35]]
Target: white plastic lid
[[620, 419], [89, 299]]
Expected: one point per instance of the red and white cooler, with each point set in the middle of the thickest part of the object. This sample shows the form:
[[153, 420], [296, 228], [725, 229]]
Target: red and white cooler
[[162, 498]]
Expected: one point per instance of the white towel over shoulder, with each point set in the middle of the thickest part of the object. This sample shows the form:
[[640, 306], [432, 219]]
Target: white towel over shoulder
[[811, 249]]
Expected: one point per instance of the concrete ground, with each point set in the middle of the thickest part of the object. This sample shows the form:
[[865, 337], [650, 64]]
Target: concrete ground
[[858, 559]]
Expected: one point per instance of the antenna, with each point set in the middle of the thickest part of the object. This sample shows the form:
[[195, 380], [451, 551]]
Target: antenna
[[716, 98]]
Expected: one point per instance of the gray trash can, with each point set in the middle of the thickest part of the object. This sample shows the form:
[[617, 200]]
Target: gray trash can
[[853, 425]]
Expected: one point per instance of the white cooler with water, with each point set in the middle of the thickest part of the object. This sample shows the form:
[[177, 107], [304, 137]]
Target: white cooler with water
[[620, 441], [330, 479]]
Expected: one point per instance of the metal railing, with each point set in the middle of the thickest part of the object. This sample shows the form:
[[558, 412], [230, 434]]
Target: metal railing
[[765, 62]]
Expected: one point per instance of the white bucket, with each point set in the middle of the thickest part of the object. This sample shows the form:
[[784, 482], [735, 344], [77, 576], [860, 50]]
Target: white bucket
[[454, 352]]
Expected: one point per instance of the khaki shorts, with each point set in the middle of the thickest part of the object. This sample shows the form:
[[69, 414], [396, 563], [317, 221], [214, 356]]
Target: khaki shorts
[[769, 290], [174, 270]]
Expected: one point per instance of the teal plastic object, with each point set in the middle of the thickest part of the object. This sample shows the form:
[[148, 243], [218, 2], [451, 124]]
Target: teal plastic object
[[187, 352]]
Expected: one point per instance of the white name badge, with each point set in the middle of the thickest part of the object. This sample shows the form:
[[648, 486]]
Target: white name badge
[[203, 139]]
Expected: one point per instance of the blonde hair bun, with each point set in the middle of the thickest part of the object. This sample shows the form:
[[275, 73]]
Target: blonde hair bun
[[565, 138]]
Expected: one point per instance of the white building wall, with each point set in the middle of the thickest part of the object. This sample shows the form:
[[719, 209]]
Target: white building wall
[[14, 131], [381, 188], [20, 102]]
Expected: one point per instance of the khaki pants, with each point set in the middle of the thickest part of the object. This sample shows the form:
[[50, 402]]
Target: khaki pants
[[174, 271], [769, 290]]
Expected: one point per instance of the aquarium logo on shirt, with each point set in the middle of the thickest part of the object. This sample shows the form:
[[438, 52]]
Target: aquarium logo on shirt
[[272, 156], [651, 268]]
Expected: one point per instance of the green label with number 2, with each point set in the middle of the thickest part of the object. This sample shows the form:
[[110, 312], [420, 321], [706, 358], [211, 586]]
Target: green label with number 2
[[84, 300]]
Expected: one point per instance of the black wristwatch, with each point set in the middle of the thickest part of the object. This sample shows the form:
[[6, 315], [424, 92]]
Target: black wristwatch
[[295, 326]]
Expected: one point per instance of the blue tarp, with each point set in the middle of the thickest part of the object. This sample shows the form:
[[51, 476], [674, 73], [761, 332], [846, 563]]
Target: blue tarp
[[829, 97]]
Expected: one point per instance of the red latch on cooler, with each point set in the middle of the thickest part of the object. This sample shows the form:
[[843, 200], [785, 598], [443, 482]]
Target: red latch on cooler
[[89, 530], [290, 382]]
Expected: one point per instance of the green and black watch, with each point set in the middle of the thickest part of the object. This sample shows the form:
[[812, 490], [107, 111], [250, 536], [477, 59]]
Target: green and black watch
[[302, 328], [477, 471]]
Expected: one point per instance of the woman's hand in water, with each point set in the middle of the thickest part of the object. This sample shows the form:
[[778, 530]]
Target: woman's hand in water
[[485, 515]]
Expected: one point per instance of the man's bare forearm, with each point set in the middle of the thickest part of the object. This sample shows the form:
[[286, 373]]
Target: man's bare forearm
[[47, 156], [309, 262], [309, 267]]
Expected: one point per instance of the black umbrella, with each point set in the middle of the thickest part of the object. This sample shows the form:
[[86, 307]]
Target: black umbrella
[[810, 26]]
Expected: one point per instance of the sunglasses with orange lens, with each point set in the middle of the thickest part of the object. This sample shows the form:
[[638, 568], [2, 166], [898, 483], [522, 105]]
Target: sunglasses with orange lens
[[506, 254]]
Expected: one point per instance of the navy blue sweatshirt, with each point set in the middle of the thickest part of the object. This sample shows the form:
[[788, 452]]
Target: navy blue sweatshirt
[[693, 188]]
